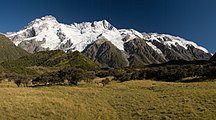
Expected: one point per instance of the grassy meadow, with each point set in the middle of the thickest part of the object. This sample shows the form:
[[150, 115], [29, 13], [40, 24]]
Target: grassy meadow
[[146, 100]]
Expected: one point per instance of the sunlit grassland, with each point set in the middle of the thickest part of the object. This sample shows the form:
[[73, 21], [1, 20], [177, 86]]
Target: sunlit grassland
[[129, 100]]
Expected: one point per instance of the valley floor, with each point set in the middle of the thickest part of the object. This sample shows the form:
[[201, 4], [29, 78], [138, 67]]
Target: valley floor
[[129, 100]]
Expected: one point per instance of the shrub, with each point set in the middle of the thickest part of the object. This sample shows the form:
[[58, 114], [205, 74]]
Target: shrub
[[48, 79], [89, 76], [138, 75], [103, 74], [122, 77], [105, 81], [210, 72], [19, 79], [73, 75]]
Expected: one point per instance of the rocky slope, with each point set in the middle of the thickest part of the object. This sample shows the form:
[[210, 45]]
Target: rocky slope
[[105, 44], [140, 53], [175, 48]]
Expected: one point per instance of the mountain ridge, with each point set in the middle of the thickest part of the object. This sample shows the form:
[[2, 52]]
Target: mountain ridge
[[47, 33]]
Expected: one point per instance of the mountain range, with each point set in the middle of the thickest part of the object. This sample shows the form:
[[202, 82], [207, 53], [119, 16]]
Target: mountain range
[[105, 44]]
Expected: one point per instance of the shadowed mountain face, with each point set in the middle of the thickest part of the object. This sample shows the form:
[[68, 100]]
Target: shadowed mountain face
[[213, 58], [106, 54], [177, 52], [8, 51], [140, 53]]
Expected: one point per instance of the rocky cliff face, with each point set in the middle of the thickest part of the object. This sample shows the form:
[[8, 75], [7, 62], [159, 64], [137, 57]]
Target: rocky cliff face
[[175, 48], [140, 53], [176, 52]]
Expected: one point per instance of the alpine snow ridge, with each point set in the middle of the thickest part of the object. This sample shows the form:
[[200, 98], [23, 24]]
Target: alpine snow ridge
[[105, 44]]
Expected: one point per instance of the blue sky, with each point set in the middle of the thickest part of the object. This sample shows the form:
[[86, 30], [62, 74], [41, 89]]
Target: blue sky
[[191, 19]]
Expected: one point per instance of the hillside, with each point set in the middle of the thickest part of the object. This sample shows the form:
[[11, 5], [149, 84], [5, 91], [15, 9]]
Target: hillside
[[49, 60], [8, 51]]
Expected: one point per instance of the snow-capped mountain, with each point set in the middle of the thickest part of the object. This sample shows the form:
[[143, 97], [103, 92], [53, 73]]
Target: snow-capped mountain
[[54, 35], [47, 33]]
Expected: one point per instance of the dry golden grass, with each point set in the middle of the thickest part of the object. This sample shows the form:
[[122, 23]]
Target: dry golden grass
[[129, 100]]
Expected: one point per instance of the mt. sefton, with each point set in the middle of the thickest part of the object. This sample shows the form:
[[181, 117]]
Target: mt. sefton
[[105, 44]]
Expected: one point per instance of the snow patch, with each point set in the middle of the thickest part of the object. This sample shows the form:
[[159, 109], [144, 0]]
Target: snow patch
[[172, 41]]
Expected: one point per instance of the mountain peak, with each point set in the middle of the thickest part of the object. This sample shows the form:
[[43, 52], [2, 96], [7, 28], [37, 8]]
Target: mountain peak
[[95, 25], [105, 24], [48, 17]]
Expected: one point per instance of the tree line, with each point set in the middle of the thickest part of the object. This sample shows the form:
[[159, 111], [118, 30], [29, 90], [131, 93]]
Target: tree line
[[72, 76]]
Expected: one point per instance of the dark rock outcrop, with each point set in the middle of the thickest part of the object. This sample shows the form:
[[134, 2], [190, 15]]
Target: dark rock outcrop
[[32, 46], [140, 53]]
